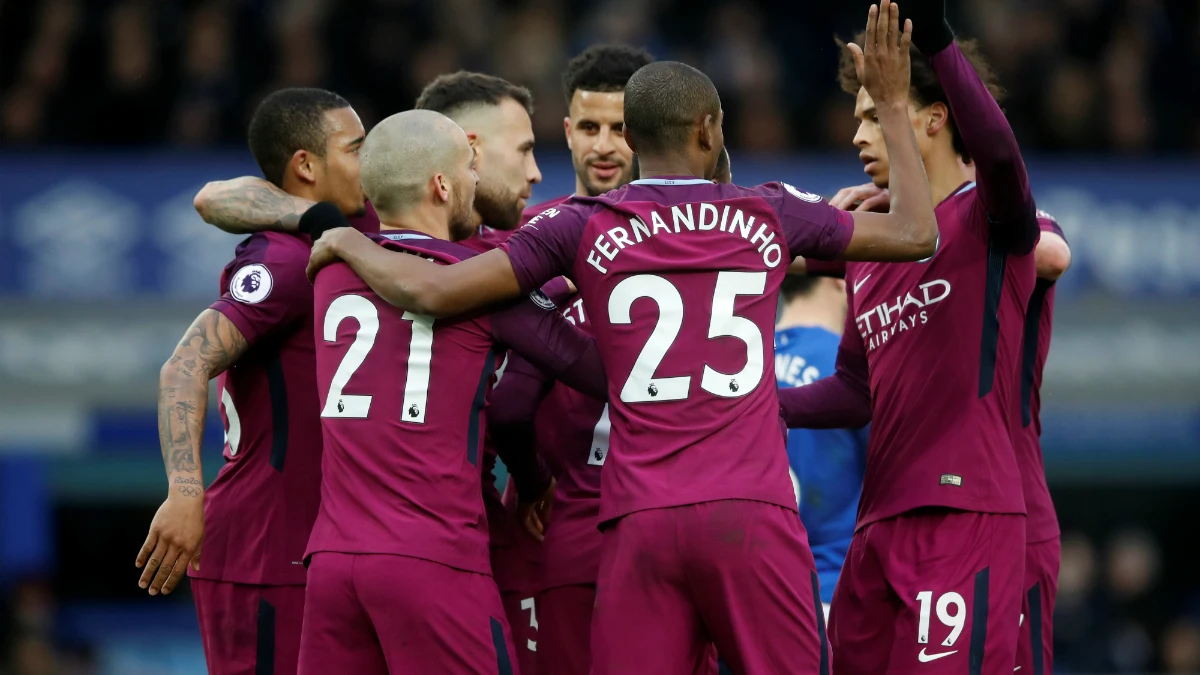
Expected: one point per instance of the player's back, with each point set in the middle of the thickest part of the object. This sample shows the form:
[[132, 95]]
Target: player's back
[[401, 401], [827, 464], [1042, 522], [260, 508], [942, 339], [681, 277]]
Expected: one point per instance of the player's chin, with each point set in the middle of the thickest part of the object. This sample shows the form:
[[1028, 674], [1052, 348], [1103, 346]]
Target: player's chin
[[879, 178], [597, 187]]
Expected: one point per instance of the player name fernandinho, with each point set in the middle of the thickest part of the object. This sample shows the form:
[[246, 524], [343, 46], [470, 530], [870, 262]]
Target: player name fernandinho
[[683, 218]]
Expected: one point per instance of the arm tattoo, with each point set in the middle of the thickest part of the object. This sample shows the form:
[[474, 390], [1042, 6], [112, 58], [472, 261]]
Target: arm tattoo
[[248, 205], [211, 345]]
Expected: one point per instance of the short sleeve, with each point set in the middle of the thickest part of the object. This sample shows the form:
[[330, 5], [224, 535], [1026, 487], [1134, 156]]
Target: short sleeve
[[1047, 223], [545, 247], [812, 228], [266, 289]]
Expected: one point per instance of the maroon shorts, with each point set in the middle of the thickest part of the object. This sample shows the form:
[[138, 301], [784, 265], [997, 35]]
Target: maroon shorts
[[565, 646], [734, 573], [930, 592], [1035, 644], [521, 611], [366, 614], [248, 629]]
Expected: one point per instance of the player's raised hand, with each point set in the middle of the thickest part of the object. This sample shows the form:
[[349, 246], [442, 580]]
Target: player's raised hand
[[536, 515], [865, 197], [882, 63], [172, 544]]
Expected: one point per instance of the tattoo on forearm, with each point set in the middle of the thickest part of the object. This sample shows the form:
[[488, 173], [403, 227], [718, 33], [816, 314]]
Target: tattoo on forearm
[[189, 487], [252, 208], [210, 346]]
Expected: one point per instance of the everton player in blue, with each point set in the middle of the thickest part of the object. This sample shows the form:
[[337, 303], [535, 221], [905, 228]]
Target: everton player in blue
[[827, 465]]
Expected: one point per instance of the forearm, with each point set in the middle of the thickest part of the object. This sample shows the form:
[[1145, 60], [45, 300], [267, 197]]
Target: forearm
[[835, 402], [420, 286], [1000, 172], [182, 405], [396, 277], [911, 201], [248, 204]]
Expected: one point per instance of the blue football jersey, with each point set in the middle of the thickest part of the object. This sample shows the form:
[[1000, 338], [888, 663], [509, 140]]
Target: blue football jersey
[[827, 464]]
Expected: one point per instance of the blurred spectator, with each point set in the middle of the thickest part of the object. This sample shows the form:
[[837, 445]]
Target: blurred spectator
[[1082, 75], [1181, 647]]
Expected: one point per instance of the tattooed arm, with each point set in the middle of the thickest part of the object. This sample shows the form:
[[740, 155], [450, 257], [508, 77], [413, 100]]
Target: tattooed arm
[[212, 344], [249, 204]]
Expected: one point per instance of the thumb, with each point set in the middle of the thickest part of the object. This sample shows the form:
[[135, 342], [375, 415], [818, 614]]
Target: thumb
[[859, 65]]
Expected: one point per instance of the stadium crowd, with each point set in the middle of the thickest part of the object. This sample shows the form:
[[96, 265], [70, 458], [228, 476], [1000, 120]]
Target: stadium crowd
[[1082, 75]]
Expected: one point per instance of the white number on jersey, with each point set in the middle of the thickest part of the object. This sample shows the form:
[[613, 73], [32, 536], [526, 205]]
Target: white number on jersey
[[529, 604], [600, 434], [955, 621], [233, 432], [420, 356], [642, 385]]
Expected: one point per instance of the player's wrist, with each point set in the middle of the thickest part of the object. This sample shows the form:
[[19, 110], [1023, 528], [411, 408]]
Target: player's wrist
[[896, 108], [185, 487]]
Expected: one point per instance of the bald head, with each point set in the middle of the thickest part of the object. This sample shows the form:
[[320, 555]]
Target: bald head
[[403, 152], [664, 101]]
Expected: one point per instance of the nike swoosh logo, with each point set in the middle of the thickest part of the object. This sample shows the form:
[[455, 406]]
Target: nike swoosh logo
[[858, 284], [926, 658]]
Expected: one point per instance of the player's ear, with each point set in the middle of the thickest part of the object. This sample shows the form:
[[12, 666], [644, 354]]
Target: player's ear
[[939, 115], [441, 188], [567, 131], [304, 165], [629, 139], [707, 133]]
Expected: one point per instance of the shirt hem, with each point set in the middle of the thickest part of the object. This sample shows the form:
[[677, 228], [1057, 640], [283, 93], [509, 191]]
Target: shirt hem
[[485, 569], [884, 515], [606, 519]]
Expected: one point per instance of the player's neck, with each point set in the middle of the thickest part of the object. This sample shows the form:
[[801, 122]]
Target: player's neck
[[946, 174], [810, 313], [298, 188], [418, 220], [653, 167]]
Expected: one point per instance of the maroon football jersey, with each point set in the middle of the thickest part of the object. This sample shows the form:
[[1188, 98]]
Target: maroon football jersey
[[681, 278], [260, 509], [939, 343], [1042, 522], [403, 430], [932, 349], [571, 431]]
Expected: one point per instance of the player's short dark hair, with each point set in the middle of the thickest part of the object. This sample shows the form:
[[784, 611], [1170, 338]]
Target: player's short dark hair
[[289, 120], [796, 286], [925, 88], [663, 101], [604, 67], [452, 94]]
